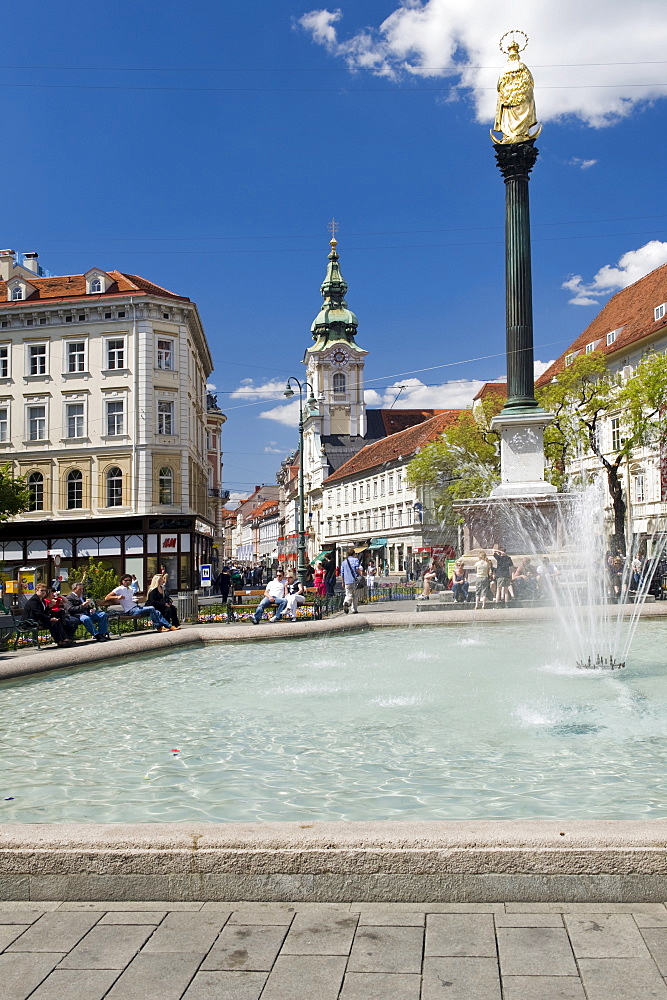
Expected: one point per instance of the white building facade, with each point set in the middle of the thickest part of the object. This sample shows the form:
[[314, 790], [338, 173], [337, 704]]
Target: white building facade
[[369, 504], [103, 408]]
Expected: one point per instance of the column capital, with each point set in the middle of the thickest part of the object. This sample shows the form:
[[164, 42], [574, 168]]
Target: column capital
[[516, 159]]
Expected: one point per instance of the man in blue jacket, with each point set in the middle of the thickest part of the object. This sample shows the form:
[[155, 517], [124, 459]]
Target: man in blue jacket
[[350, 572]]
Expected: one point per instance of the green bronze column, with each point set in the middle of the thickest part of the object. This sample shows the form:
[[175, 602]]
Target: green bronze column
[[521, 422], [515, 161]]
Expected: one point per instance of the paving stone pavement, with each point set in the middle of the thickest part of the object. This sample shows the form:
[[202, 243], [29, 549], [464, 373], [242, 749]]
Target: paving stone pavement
[[320, 951]]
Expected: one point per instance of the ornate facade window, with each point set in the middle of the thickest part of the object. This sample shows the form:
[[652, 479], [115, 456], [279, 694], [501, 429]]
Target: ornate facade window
[[74, 489], [36, 489], [339, 382], [166, 485], [114, 484]]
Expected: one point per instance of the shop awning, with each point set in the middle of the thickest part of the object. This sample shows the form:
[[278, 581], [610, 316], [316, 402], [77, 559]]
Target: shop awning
[[378, 543], [359, 548], [322, 554]]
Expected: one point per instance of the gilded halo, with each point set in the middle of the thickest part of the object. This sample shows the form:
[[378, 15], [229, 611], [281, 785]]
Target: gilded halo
[[513, 32]]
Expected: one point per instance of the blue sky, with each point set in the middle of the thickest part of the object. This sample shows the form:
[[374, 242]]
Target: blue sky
[[206, 147]]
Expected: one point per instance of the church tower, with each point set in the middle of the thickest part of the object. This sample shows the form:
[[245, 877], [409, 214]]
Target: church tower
[[335, 361]]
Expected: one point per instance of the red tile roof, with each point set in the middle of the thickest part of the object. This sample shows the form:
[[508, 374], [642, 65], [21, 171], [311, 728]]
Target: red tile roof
[[492, 390], [264, 509], [73, 286], [403, 443], [399, 420], [630, 312]]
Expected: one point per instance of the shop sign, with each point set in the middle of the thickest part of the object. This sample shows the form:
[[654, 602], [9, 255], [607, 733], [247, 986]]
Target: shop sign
[[169, 543], [203, 528]]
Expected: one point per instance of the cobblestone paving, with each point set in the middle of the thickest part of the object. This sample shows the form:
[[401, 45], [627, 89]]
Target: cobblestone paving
[[317, 951]]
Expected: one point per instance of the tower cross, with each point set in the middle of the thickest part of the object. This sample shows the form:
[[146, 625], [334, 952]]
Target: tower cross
[[333, 228]]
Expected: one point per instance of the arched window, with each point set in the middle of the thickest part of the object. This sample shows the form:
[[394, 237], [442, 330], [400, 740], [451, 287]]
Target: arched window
[[74, 490], [17, 293], [36, 488], [96, 285], [166, 485], [339, 382], [114, 487]]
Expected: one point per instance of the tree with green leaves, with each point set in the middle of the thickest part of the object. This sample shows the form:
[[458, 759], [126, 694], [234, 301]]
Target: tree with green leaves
[[98, 579], [584, 396], [14, 493], [462, 464]]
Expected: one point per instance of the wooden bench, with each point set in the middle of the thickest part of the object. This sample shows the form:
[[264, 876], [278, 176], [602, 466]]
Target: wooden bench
[[116, 617], [235, 611]]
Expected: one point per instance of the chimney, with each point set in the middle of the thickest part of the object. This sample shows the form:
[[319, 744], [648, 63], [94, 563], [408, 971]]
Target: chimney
[[30, 262], [7, 259]]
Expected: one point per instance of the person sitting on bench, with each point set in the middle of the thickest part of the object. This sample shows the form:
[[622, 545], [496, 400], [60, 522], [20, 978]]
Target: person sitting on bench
[[124, 595]]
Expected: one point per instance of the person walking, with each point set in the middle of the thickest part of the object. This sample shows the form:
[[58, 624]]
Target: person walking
[[38, 609], [295, 594], [482, 583], [329, 567], [274, 595], [95, 622], [370, 579], [125, 596], [504, 567], [223, 583], [158, 598], [350, 572]]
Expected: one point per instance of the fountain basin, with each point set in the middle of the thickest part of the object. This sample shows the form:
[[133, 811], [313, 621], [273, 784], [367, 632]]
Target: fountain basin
[[474, 862], [464, 860]]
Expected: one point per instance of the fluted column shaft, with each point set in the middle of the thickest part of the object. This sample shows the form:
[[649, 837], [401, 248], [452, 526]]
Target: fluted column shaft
[[515, 161]]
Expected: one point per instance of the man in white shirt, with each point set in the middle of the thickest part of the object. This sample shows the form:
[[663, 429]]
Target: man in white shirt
[[274, 596], [125, 596]]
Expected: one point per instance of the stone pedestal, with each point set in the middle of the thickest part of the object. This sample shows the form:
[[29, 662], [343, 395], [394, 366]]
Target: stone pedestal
[[522, 453]]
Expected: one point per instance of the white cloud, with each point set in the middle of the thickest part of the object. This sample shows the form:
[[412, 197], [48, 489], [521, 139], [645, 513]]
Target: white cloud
[[597, 75], [416, 395], [271, 449], [632, 266], [320, 23], [576, 161], [211, 387], [541, 366], [249, 391], [287, 414]]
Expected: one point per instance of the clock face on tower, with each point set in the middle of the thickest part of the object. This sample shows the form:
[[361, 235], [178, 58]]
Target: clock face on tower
[[339, 357]]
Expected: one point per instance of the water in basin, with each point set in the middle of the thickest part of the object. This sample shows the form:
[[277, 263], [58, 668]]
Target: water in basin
[[458, 722]]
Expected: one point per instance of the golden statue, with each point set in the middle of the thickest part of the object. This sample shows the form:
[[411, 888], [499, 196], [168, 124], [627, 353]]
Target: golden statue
[[515, 111]]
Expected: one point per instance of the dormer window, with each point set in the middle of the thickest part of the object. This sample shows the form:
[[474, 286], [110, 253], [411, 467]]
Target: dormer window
[[569, 358], [17, 293], [590, 347], [97, 282], [659, 312], [611, 337]]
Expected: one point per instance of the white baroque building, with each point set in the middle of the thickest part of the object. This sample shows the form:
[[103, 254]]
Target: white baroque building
[[103, 407]]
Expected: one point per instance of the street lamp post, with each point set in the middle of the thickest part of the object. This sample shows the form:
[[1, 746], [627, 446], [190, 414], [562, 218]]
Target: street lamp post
[[301, 544]]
